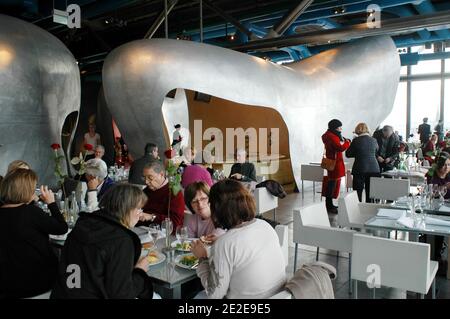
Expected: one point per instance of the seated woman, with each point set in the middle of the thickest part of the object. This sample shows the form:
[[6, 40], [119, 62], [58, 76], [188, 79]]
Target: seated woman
[[98, 182], [439, 173], [193, 172], [196, 197], [246, 261], [28, 265], [106, 251]]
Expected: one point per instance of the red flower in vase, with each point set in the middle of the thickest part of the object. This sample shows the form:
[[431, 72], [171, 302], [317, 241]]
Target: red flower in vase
[[88, 147], [170, 153], [55, 146]]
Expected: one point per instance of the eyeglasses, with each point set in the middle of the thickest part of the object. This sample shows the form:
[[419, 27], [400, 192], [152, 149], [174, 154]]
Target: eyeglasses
[[200, 200], [148, 178]]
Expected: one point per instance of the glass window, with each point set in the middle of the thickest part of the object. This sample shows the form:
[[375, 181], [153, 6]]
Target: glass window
[[425, 102], [397, 117], [404, 70], [447, 64], [425, 67], [447, 105]]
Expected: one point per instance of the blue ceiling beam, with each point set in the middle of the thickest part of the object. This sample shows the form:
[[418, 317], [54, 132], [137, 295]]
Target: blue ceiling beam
[[414, 58], [406, 11], [426, 7]]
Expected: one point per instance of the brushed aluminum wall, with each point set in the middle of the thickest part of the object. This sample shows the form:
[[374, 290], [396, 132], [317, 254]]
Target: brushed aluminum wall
[[354, 82], [39, 87]]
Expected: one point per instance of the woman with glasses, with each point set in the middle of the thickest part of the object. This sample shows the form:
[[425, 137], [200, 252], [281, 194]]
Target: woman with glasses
[[101, 256], [196, 197]]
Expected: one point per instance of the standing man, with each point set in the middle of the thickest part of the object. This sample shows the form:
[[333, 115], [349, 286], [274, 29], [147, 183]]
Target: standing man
[[176, 139], [425, 131], [150, 154], [388, 144]]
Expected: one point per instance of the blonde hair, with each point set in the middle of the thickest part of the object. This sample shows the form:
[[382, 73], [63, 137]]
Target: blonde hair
[[17, 164], [18, 186], [361, 128]]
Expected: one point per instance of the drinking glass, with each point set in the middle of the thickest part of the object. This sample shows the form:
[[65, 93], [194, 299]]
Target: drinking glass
[[182, 234], [153, 233], [442, 191]]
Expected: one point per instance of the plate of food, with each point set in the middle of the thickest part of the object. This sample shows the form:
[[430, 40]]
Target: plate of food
[[155, 258], [182, 246], [187, 261]]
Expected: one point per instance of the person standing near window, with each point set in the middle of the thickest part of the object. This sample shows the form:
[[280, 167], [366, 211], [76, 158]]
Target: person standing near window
[[335, 144]]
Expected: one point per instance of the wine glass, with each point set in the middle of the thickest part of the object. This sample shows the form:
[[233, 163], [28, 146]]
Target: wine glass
[[153, 233], [442, 192], [182, 234]]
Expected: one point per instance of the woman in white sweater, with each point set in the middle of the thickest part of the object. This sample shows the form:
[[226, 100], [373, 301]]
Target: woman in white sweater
[[246, 261]]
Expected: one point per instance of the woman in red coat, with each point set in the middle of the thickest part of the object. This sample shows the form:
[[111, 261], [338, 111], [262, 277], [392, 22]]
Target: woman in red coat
[[335, 144]]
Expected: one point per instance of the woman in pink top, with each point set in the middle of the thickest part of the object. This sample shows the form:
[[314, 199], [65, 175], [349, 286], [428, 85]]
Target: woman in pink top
[[196, 197]]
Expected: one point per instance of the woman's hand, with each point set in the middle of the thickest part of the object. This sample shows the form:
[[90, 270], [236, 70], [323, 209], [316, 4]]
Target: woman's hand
[[93, 183], [209, 239], [143, 264], [198, 249], [143, 217], [47, 195]]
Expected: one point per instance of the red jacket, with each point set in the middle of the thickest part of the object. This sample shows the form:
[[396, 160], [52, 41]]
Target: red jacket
[[334, 150]]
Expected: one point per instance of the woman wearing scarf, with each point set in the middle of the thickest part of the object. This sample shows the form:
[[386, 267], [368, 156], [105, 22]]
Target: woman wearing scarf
[[335, 144]]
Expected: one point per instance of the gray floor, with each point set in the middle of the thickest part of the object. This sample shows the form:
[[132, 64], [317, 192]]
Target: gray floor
[[308, 254]]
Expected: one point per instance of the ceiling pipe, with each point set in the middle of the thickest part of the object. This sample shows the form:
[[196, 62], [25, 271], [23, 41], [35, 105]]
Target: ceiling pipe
[[160, 19], [389, 27], [288, 19]]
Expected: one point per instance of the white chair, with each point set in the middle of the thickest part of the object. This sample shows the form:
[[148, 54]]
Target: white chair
[[353, 214], [401, 264], [312, 227], [283, 237], [312, 173], [388, 188], [265, 201]]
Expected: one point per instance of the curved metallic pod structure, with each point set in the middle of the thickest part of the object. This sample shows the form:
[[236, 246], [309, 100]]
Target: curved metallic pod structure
[[354, 82], [40, 86]]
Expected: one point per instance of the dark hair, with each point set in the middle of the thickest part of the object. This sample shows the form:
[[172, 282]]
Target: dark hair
[[191, 190], [440, 162], [149, 147], [231, 204], [120, 199], [156, 166]]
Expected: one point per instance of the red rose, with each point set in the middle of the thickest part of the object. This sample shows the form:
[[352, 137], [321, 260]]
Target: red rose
[[55, 146], [88, 147], [170, 153]]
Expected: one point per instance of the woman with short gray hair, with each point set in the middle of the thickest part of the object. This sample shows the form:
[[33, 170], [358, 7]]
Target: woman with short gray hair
[[98, 182], [106, 250]]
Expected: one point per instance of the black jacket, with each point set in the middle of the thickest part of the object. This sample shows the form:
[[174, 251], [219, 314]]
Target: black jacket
[[392, 145], [27, 262], [364, 149], [273, 187], [106, 252], [247, 170]]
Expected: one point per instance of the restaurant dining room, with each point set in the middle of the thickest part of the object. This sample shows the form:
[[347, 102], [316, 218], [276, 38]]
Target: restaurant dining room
[[198, 150]]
